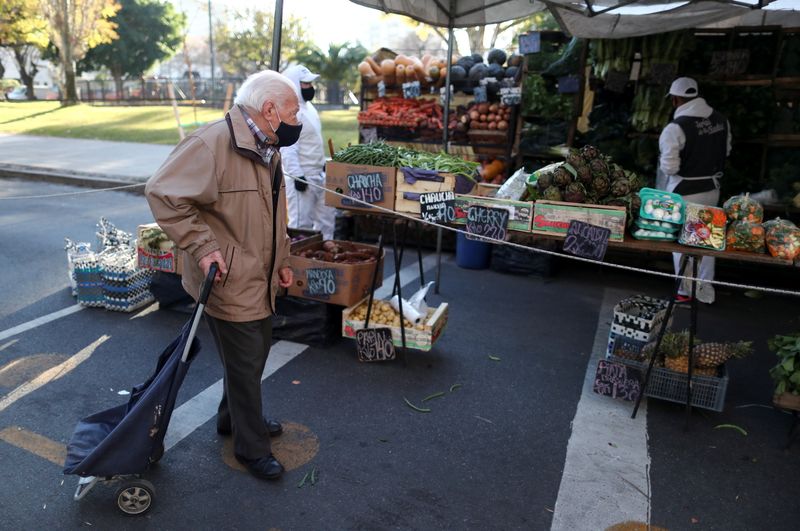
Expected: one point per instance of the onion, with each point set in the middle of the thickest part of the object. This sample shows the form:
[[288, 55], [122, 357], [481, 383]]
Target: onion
[[502, 125], [492, 125], [493, 107], [483, 117], [474, 115], [491, 117]]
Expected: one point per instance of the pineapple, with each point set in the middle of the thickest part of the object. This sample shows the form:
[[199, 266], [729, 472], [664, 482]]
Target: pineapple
[[715, 354]]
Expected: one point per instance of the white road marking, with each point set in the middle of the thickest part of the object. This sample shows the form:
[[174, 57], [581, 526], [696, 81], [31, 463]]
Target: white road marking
[[24, 327], [3, 347], [147, 311], [52, 374], [601, 484], [199, 409]]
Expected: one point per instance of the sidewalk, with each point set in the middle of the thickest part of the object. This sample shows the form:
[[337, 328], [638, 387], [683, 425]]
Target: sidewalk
[[77, 161]]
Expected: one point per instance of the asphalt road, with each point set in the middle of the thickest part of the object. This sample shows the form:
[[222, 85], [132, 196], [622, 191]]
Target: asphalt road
[[491, 454]]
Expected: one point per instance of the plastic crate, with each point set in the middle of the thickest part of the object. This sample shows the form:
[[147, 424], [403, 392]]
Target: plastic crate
[[708, 392], [625, 347], [637, 316]]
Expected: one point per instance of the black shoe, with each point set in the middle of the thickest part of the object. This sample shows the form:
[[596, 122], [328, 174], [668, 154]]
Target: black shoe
[[273, 427], [262, 467]]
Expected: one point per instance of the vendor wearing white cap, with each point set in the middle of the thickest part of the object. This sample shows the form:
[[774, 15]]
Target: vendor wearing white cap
[[304, 162], [693, 148]]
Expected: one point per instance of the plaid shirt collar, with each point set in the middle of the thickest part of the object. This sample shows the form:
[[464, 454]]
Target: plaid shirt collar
[[265, 149]]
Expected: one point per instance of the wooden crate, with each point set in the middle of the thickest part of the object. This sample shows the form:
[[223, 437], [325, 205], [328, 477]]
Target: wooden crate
[[417, 339], [553, 218], [407, 195], [338, 176]]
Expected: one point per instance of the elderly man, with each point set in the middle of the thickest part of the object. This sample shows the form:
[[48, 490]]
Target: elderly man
[[220, 197], [693, 148], [305, 162]]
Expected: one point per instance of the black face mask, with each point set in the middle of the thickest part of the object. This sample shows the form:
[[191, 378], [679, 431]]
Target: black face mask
[[287, 134], [308, 93]]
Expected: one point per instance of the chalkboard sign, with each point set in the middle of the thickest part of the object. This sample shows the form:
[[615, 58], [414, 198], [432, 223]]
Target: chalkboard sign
[[367, 187], [729, 63], [530, 42], [480, 94], [443, 95], [437, 207], [586, 240], [374, 344], [487, 222], [662, 73], [411, 89], [320, 282], [511, 95], [617, 380], [616, 81]]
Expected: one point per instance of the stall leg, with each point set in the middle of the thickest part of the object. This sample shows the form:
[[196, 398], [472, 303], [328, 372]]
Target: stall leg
[[692, 332], [662, 329], [375, 273], [419, 255], [398, 289], [402, 251], [438, 259]]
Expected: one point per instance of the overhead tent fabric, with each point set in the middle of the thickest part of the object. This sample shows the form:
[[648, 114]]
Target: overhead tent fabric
[[457, 13]]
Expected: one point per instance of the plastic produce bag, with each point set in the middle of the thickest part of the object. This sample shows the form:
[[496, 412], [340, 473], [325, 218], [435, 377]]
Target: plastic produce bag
[[743, 207], [783, 240], [746, 236], [515, 186]]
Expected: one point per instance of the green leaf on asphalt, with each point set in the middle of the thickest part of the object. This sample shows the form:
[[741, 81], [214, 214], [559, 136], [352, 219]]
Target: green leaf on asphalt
[[303, 482], [494, 358], [454, 387], [753, 294], [434, 395], [415, 408], [732, 427], [314, 476]]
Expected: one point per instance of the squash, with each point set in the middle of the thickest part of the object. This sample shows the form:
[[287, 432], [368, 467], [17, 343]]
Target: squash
[[493, 169], [387, 67], [403, 60], [376, 69], [365, 70], [400, 74]]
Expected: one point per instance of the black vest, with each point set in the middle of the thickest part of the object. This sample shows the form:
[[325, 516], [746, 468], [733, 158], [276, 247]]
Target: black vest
[[704, 152]]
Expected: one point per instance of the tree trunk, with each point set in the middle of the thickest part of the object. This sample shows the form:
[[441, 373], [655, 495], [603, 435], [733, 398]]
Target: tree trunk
[[22, 65], [116, 72], [334, 92], [476, 39], [67, 60]]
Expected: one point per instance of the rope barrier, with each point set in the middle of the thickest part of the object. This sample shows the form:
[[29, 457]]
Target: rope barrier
[[65, 194], [561, 255]]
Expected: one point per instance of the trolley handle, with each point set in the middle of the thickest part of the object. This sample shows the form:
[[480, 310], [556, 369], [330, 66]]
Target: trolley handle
[[206, 289]]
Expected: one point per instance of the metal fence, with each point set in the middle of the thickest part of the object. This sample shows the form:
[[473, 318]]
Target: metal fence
[[155, 91]]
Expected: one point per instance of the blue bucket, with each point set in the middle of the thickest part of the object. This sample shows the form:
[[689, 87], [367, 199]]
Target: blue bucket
[[472, 254]]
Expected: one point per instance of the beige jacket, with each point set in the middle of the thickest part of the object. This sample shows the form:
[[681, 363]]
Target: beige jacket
[[214, 192]]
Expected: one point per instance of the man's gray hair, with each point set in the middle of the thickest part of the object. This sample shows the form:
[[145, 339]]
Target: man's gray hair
[[263, 86]]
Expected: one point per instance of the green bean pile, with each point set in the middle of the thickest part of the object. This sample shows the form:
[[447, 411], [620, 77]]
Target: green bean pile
[[382, 154]]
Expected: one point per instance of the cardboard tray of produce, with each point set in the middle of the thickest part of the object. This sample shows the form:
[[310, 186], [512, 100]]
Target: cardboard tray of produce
[[374, 184], [333, 282], [520, 212], [301, 237], [419, 337], [553, 218], [407, 195]]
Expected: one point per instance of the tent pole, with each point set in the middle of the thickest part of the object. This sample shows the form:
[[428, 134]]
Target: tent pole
[[445, 142], [276, 36]]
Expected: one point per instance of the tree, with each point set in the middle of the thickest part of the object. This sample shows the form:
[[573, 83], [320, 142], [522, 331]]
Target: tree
[[75, 27], [248, 48], [148, 30], [24, 31], [335, 67]]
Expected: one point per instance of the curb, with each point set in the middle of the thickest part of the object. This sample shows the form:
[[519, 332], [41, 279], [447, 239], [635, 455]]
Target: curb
[[74, 178]]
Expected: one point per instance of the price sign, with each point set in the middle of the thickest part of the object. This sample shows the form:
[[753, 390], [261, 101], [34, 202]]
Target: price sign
[[480, 94], [530, 42], [586, 240], [374, 344], [662, 73], [487, 222], [729, 63], [443, 95], [411, 89], [437, 207], [320, 282], [511, 95], [381, 89], [617, 380], [485, 81], [367, 187]]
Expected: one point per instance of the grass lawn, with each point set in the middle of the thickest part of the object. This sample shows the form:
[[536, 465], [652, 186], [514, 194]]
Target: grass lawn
[[149, 124]]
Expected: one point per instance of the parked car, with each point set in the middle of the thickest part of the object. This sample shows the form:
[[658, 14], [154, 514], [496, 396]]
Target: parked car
[[41, 93]]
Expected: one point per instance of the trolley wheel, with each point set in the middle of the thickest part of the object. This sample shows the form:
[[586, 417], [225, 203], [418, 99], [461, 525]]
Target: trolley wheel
[[158, 454], [135, 496]]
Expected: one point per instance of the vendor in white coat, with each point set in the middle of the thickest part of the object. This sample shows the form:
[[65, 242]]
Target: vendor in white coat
[[304, 162], [693, 148]]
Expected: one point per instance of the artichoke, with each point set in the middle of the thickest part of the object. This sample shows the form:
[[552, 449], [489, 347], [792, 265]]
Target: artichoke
[[636, 203], [617, 173], [545, 181], [574, 158], [599, 168], [590, 153], [636, 182], [552, 194], [620, 187], [562, 177], [584, 174], [600, 186], [575, 193]]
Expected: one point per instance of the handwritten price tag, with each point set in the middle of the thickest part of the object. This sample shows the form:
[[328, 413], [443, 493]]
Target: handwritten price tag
[[487, 222]]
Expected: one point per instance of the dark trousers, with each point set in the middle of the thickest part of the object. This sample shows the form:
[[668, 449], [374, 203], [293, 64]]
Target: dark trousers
[[243, 350]]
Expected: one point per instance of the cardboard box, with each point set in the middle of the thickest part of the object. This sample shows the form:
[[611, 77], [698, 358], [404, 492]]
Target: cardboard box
[[331, 282], [304, 236], [375, 184], [520, 212], [416, 338], [155, 251], [553, 218], [407, 196]]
